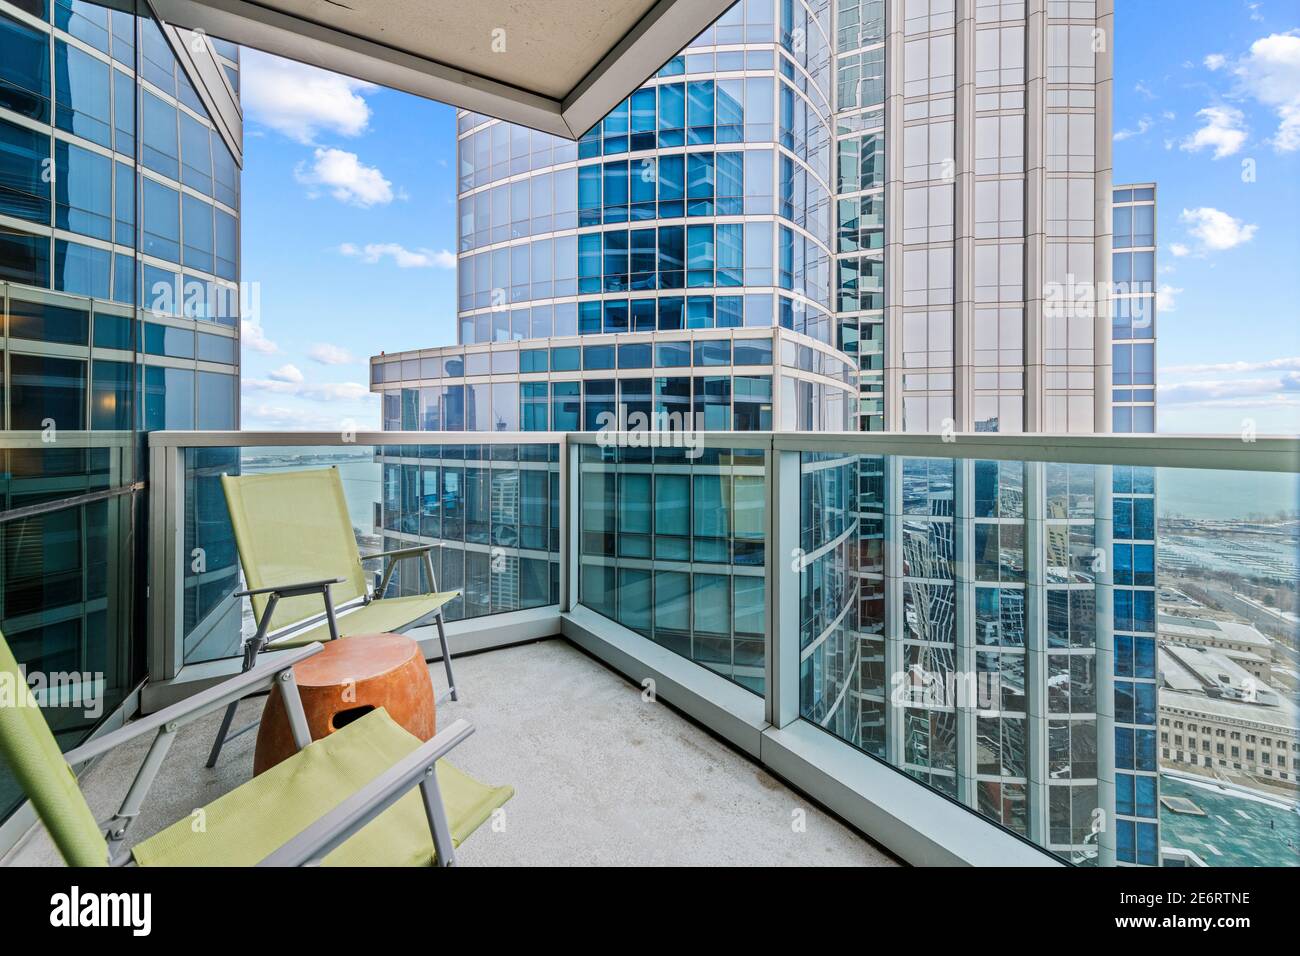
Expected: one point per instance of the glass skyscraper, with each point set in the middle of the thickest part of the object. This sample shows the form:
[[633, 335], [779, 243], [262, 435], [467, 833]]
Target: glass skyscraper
[[1137, 678], [120, 144], [899, 212]]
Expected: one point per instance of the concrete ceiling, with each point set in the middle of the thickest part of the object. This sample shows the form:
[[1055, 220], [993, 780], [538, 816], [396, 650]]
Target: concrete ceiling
[[554, 65]]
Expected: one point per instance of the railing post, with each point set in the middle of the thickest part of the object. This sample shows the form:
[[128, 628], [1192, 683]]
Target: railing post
[[166, 579], [570, 470], [784, 561]]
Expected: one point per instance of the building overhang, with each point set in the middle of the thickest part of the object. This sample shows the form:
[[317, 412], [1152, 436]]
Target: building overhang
[[554, 65]]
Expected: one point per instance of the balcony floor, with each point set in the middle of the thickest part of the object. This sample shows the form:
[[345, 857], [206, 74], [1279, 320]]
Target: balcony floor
[[601, 777]]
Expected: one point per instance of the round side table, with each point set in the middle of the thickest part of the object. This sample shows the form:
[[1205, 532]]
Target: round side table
[[349, 678]]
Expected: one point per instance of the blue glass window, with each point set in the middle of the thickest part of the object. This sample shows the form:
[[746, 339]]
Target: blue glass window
[[671, 312], [196, 154], [161, 150], [565, 405], [566, 359], [24, 158], [700, 256], [616, 260], [643, 315], [616, 192], [616, 315], [597, 357], [589, 263], [162, 220], [24, 70], [227, 244], [700, 111], [590, 318], [672, 114], [82, 94], [82, 270], [44, 387], [699, 184], [198, 233], [672, 186], [643, 118], [614, 129], [110, 401]]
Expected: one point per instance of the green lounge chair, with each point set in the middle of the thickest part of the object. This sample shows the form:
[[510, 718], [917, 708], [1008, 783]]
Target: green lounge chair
[[304, 574], [368, 794]]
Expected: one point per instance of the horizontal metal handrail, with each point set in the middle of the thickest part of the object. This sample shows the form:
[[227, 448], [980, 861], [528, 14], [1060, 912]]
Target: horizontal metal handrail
[[1213, 452], [253, 439]]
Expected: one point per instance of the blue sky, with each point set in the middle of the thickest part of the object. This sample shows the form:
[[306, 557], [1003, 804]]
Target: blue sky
[[349, 220], [1207, 105]]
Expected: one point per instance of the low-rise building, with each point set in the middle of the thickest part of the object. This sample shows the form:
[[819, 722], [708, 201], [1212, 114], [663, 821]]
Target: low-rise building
[[1217, 716]]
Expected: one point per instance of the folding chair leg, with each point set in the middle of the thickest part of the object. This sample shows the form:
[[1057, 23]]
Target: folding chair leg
[[221, 734], [446, 658], [251, 650]]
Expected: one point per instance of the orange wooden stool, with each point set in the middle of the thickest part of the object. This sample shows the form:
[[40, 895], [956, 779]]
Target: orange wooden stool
[[349, 678]]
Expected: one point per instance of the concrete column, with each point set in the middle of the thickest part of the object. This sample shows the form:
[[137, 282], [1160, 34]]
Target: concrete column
[[894, 625], [1035, 199], [964, 626], [1103, 183], [1036, 649], [963, 249], [1105, 545], [893, 345]]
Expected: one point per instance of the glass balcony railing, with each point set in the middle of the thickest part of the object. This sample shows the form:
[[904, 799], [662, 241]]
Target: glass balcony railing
[[1007, 644], [494, 507]]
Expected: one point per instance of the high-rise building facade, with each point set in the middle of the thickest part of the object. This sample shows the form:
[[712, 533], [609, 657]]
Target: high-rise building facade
[[120, 144], [864, 214], [1137, 677]]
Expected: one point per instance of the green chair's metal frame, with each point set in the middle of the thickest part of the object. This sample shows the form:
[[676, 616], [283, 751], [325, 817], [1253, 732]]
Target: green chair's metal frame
[[46, 776], [304, 571]]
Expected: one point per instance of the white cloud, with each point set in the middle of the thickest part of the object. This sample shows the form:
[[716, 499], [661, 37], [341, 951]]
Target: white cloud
[[263, 416], [301, 101], [403, 258], [1270, 73], [1215, 230], [1165, 298], [346, 178], [1224, 131], [1143, 125], [327, 354], [1144, 90], [1291, 364], [1215, 61], [287, 373], [1178, 249], [252, 336], [316, 392], [1232, 393]]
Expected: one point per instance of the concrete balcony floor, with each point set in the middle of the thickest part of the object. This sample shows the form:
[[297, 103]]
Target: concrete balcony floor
[[601, 776]]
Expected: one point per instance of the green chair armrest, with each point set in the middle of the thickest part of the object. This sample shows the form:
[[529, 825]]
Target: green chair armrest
[[291, 590], [200, 705], [314, 843], [402, 552]]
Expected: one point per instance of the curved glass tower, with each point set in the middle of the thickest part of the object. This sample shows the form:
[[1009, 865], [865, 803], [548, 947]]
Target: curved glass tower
[[676, 259]]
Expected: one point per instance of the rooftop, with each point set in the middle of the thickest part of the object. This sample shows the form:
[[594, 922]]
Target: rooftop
[[1205, 629], [601, 777]]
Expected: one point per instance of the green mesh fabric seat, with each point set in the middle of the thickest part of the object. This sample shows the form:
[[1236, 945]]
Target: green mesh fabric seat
[[304, 575], [246, 825], [293, 527], [391, 615]]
